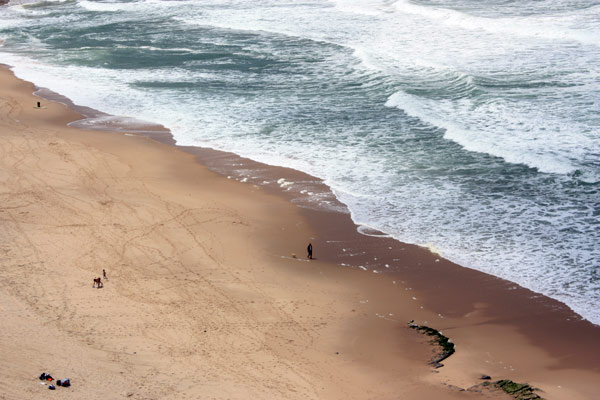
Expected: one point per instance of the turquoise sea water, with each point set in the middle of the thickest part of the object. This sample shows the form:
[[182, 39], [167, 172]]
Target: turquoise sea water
[[472, 126]]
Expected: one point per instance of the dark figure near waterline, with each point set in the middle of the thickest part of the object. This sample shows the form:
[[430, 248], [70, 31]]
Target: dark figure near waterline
[[39, 105], [309, 249]]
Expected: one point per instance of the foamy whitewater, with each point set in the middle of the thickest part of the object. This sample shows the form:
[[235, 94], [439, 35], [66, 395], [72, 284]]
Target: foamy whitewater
[[471, 126]]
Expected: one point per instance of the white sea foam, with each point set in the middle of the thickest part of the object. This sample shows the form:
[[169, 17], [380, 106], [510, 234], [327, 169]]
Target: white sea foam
[[465, 125], [107, 7], [29, 4], [495, 132], [363, 7], [548, 27], [369, 231], [283, 183], [136, 6], [114, 123]]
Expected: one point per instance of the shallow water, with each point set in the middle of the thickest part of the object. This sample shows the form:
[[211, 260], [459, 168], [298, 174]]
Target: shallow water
[[469, 126]]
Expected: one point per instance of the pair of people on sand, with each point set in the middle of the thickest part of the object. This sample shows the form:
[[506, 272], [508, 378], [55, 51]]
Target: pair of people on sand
[[98, 281]]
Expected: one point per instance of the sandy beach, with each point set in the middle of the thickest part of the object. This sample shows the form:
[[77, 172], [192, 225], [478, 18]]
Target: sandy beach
[[205, 299]]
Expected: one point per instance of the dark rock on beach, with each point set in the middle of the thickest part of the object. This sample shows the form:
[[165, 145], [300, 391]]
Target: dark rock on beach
[[520, 391], [447, 347]]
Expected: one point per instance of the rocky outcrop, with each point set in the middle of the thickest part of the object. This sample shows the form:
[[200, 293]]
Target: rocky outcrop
[[447, 347], [520, 391]]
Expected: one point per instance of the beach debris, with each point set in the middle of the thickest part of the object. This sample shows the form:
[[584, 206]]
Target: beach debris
[[52, 387], [46, 377], [64, 383], [446, 345], [293, 255], [485, 377], [520, 391]]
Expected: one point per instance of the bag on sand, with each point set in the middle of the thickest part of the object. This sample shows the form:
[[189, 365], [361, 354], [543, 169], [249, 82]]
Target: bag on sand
[[64, 382], [52, 387], [46, 377]]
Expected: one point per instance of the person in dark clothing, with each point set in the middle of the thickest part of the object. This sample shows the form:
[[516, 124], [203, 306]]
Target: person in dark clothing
[[309, 248]]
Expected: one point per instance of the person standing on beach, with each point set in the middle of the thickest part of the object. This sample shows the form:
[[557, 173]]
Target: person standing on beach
[[309, 249], [104, 274]]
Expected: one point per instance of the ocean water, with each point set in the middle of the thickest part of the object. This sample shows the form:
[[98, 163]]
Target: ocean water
[[470, 126]]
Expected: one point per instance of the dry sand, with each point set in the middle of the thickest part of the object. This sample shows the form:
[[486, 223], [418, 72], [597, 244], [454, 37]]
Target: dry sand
[[204, 299]]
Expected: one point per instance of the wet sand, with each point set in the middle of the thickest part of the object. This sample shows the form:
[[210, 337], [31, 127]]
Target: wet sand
[[205, 300]]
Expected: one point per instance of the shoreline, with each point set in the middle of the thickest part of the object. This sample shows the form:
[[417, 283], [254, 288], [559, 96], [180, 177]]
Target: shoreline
[[295, 184], [293, 188], [265, 176], [469, 306]]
